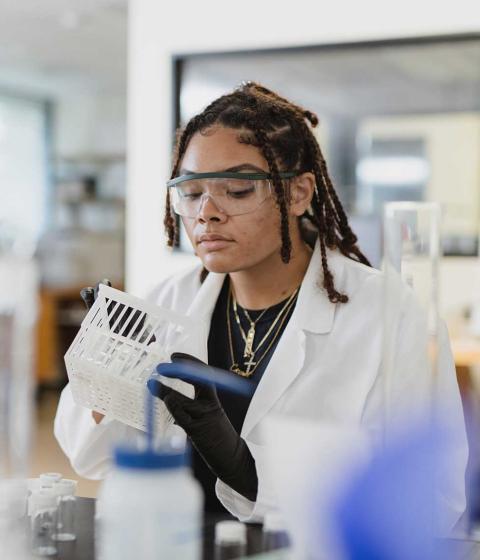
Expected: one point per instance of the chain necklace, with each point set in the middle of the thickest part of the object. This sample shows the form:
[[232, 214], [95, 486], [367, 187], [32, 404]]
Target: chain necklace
[[249, 338], [280, 319]]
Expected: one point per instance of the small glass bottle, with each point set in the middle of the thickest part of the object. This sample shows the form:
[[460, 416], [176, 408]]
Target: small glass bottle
[[66, 503], [45, 485], [44, 519], [230, 540], [49, 478], [274, 533]]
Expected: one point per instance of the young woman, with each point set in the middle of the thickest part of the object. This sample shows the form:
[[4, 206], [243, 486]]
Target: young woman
[[284, 298]]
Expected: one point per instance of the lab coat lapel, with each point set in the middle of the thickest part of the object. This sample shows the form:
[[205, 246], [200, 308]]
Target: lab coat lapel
[[314, 313], [283, 368], [201, 310]]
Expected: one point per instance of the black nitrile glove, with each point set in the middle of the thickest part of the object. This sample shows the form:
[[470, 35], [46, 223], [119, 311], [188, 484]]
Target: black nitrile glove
[[209, 429], [89, 295]]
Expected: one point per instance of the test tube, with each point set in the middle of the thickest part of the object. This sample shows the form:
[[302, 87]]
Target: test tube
[[411, 256]]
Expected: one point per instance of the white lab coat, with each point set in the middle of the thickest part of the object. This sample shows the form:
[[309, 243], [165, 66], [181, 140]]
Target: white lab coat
[[325, 368]]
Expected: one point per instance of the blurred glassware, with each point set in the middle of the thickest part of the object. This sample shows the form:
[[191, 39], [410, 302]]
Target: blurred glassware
[[411, 256]]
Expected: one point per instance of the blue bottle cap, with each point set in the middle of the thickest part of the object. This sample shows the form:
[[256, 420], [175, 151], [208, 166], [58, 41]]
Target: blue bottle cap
[[150, 459]]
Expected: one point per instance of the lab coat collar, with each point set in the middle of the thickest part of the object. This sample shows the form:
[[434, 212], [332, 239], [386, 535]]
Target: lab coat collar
[[314, 312], [201, 311]]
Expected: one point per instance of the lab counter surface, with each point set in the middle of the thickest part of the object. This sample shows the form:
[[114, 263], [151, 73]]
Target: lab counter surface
[[83, 548]]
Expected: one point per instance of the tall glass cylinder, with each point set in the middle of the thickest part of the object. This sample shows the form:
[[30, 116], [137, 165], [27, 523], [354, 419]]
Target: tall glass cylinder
[[411, 260]]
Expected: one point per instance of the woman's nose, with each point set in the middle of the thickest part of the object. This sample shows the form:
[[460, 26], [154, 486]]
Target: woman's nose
[[209, 211]]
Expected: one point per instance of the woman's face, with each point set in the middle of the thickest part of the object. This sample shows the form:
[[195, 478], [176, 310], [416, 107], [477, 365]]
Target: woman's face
[[229, 243]]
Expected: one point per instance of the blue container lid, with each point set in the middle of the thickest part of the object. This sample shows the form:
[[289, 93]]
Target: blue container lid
[[148, 459]]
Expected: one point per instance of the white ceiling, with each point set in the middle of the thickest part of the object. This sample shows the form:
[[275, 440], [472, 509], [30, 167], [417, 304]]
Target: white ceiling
[[53, 47]]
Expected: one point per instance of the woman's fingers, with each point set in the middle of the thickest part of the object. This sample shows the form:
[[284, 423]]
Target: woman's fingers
[[87, 294], [182, 357], [105, 281], [206, 377], [158, 389], [177, 404], [177, 410]]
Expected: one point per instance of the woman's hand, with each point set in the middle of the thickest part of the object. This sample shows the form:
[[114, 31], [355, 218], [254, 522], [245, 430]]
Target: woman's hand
[[208, 428], [89, 294]]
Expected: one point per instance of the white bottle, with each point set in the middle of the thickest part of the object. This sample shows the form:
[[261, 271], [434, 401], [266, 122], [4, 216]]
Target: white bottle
[[149, 507]]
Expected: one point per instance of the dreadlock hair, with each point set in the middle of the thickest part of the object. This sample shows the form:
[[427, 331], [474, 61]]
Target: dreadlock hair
[[282, 131]]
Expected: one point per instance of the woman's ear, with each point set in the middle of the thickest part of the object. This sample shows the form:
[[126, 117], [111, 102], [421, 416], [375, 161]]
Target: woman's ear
[[302, 189]]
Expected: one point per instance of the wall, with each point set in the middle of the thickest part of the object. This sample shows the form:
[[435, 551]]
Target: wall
[[157, 30], [458, 286]]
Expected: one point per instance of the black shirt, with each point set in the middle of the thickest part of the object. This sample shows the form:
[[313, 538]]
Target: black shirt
[[219, 355]]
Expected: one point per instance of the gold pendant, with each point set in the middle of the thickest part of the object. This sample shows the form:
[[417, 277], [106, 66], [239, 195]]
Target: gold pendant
[[250, 364], [249, 342], [235, 369]]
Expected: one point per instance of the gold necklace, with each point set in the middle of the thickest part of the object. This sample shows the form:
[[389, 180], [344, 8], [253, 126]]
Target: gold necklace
[[249, 338], [251, 365]]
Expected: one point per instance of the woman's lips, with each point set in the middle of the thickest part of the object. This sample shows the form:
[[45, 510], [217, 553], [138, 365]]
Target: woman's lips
[[214, 242]]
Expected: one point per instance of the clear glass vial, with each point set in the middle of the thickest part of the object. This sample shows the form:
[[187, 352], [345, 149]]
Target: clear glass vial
[[66, 504], [44, 520], [274, 532], [46, 479], [230, 540]]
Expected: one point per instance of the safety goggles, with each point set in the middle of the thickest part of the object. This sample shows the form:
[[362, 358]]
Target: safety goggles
[[234, 194]]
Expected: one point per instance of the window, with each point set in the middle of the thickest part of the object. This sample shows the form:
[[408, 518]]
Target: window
[[23, 166]]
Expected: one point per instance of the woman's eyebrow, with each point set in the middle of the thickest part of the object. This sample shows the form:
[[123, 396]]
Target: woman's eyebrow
[[246, 166], [241, 167]]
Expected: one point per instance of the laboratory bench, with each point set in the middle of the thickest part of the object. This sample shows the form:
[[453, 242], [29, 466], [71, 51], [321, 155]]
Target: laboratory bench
[[83, 547], [458, 548]]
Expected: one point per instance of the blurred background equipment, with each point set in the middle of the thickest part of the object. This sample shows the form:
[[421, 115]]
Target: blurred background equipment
[[62, 173], [62, 153], [411, 256], [18, 313]]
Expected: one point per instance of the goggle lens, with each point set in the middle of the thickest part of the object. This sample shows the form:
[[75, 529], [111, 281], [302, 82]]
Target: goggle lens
[[231, 196]]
